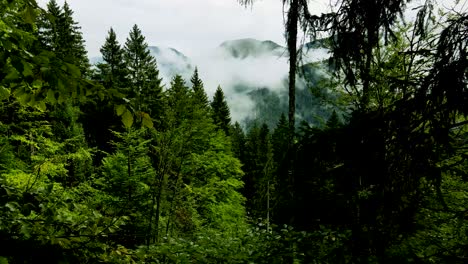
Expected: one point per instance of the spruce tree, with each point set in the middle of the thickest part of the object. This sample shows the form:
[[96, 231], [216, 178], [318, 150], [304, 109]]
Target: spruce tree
[[113, 71], [237, 141], [72, 40], [221, 112], [99, 117], [179, 100], [48, 27], [59, 32], [143, 74], [279, 142], [199, 92]]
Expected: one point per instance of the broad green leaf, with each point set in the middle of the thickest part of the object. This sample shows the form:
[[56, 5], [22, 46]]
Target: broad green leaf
[[75, 71], [27, 69], [36, 84], [127, 119], [12, 75], [29, 15], [146, 120], [3, 260], [120, 109], [41, 106], [4, 93], [51, 96], [60, 85]]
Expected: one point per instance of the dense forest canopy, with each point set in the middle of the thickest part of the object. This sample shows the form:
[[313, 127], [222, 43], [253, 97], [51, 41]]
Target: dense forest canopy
[[103, 163]]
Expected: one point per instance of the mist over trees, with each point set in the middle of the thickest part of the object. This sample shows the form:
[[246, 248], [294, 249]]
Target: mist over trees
[[103, 163]]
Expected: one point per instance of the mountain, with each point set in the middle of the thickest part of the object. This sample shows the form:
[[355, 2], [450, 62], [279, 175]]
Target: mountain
[[253, 75], [171, 62], [244, 48], [270, 99]]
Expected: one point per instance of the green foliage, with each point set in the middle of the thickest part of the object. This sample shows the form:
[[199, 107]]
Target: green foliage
[[143, 74], [198, 90], [221, 113]]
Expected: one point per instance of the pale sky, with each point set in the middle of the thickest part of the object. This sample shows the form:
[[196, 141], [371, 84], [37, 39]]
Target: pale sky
[[191, 26]]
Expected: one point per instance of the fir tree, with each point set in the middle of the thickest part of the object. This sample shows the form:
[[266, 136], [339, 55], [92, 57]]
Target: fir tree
[[60, 33], [333, 121], [199, 92], [113, 71], [179, 100], [72, 40], [279, 136], [237, 141], [143, 73], [221, 113], [48, 26]]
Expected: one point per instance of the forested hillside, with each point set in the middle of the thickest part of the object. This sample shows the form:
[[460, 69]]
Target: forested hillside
[[105, 164]]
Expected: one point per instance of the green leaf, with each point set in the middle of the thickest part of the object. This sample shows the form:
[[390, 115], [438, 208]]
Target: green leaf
[[41, 106], [120, 109], [146, 120], [60, 85], [3, 260], [12, 75], [29, 15], [127, 119], [27, 69], [36, 84], [4, 93], [74, 70], [51, 96]]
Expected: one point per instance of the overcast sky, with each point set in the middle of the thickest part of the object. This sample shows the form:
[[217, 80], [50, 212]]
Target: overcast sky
[[190, 26]]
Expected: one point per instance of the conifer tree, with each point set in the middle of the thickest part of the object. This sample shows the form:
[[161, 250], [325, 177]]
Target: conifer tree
[[48, 25], [258, 168], [142, 73], [60, 33], [237, 141], [199, 92], [221, 112], [99, 118], [113, 71], [72, 40], [279, 136]]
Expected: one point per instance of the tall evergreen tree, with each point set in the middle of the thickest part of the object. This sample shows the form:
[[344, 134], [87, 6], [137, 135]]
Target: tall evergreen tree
[[221, 112], [238, 141], [48, 25], [99, 119], [143, 74], [179, 100], [72, 40], [114, 70], [258, 168], [198, 89], [60, 33]]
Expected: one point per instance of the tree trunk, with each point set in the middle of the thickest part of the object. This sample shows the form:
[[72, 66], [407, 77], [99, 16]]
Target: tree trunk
[[291, 32]]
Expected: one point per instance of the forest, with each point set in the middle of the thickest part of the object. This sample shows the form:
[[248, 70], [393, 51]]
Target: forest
[[102, 163]]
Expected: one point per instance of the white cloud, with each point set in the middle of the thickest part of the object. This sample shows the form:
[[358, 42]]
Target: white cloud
[[187, 25]]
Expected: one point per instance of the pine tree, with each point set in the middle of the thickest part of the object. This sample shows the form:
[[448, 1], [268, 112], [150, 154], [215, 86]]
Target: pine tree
[[199, 92], [258, 168], [333, 121], [114, 70], [48, 25], [60, 33], [238, 141], [99, 117], [72, 40], [179, 100], [143, 74], [221, 112], [279, 140]]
